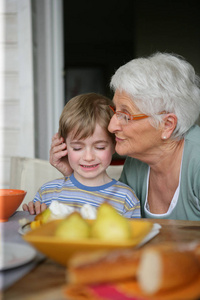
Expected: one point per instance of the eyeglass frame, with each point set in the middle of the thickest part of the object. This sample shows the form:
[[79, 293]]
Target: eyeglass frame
[[131, 117]]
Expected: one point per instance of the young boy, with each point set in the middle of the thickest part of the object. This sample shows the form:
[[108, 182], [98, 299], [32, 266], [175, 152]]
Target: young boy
[[83, 125]]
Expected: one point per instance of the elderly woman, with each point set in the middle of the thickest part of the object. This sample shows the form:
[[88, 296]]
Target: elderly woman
[[156, 104]]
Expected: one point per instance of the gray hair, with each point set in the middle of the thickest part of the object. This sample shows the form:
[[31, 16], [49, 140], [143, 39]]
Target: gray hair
[[162, 82]]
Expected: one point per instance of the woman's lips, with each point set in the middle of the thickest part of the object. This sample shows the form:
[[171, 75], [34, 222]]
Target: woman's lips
[[119, 139]]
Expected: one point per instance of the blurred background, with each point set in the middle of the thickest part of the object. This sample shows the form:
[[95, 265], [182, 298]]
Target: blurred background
[[52, 50]]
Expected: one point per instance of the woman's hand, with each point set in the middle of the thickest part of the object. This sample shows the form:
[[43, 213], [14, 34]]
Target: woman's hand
[[34, 208], [58, 155]]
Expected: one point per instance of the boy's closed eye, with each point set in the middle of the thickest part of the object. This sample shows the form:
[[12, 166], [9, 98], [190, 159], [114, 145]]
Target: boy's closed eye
[[96, 147], [100, 147], [76, 146]]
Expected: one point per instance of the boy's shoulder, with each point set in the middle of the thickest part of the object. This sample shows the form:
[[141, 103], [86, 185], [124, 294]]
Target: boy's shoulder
[[120, 185]]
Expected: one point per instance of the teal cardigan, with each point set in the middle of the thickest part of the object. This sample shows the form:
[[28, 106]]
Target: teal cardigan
[[188, 205]]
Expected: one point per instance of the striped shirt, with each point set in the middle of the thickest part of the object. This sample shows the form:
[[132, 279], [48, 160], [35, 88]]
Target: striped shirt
[[69, 191]]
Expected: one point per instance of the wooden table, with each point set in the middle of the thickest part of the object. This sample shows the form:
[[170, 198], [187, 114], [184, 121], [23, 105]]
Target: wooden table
[[46, 280]]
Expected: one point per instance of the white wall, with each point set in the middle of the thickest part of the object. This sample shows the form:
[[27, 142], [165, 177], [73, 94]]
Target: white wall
[[48, 64], [16, 84], [31, 79]]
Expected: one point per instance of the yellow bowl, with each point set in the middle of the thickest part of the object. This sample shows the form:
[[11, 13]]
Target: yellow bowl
[[60, 250], [10, 200]]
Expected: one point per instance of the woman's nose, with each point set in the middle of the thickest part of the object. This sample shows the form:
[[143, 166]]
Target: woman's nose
[[114, 124]]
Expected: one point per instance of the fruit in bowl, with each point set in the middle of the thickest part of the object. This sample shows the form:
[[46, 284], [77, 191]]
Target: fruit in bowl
[[73, 227], [60, 239], [108, 226], [10, 200], [57, 210]]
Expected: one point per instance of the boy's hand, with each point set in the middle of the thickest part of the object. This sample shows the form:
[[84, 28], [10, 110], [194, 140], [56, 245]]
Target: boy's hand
[[34, 208], [58, 155]]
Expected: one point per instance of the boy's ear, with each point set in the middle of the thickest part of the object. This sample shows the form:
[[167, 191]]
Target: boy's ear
[[169, 124]]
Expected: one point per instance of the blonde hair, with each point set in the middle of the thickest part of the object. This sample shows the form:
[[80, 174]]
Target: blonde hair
[[81, 114]]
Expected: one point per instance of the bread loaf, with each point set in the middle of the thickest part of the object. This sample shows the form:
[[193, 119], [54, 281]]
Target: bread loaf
[[167, 266], [197, 251], [103, 266], [157, 268]]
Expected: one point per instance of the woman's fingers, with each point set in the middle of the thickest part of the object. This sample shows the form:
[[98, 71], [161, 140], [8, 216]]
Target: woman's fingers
[[57, 151]]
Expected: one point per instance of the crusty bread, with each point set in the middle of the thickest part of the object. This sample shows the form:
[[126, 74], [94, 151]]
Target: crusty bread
[[103, 266], [161, 267], [197, 251], [167, 266]]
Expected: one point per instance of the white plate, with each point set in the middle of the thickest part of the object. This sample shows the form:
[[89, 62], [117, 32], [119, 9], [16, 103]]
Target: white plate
[[24, 229], [13, 255], [154, 231]]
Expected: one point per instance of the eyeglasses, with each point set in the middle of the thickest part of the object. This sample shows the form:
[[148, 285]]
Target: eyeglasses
[[125, 117]]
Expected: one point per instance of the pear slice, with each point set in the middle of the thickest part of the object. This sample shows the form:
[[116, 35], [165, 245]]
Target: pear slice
[[73, 227], [110, 225], [44, 216]]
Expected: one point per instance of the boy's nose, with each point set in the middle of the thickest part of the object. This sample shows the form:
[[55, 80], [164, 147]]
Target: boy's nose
[[89, 155]]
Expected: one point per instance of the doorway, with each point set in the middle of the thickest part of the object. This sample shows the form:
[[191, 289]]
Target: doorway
[[98, 38]]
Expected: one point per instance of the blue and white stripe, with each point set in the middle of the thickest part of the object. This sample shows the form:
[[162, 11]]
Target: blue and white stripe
[[71, 192]]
